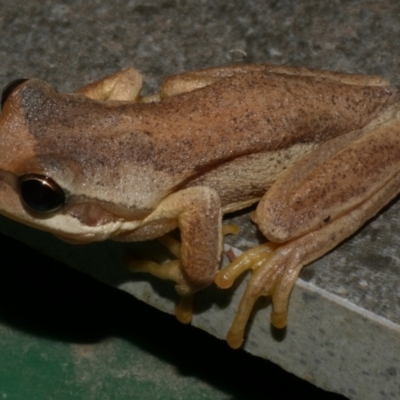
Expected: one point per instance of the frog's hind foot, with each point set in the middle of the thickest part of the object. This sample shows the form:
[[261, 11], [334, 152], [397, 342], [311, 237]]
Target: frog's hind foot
[[250, 259], [275, 271]]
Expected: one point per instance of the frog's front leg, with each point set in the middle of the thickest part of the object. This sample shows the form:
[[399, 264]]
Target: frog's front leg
[[124, 85], [312, 208], [197, 213]]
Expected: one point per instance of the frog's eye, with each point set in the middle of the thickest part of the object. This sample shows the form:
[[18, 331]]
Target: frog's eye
[[40, 193], [9, 89]]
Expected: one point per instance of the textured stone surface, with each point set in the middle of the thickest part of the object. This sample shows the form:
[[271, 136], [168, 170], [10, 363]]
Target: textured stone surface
[[344, 318]]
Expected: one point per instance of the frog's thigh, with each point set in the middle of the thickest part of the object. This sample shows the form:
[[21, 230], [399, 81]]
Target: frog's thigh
[[198, 213], [315, 244], [321, 193], [124, 85]]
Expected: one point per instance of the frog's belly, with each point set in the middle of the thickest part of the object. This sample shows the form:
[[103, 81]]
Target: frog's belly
[[244, 180]]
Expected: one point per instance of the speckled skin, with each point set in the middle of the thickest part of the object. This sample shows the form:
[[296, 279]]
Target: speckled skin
[[212, 142]]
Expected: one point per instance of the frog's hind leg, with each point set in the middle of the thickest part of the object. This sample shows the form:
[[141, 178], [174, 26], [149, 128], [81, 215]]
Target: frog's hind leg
[[317, 204], [275, 272]]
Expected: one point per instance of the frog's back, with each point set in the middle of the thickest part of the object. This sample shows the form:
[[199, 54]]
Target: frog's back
[[255, 112]]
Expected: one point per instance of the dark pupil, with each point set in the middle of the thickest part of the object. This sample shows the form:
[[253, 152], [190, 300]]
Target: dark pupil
[[41, 195]]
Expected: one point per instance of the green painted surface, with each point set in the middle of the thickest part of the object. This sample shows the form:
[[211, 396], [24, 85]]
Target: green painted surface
[[64, 335], [33, 367], [39, 368]]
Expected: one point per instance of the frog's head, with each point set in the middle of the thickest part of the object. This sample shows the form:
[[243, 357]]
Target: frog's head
[[53, 174]]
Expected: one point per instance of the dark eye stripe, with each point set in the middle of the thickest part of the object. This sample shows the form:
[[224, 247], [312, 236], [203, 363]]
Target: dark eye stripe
[[9, 89]]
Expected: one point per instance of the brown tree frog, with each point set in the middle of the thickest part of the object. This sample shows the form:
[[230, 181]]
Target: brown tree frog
[[318, 150]]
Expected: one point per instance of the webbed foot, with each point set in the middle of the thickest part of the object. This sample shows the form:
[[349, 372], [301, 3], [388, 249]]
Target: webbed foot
[[275, 270]]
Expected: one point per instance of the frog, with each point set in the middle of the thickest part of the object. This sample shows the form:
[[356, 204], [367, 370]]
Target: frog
[[315, 152]]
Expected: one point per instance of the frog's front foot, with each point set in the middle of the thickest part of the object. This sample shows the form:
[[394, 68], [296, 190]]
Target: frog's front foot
[[172, 270], [275, 270]]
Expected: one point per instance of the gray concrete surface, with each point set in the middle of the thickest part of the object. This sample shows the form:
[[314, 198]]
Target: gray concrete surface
[[343, 332]]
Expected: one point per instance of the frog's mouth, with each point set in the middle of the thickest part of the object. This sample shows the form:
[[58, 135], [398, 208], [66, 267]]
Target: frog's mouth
[[89, 214]]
